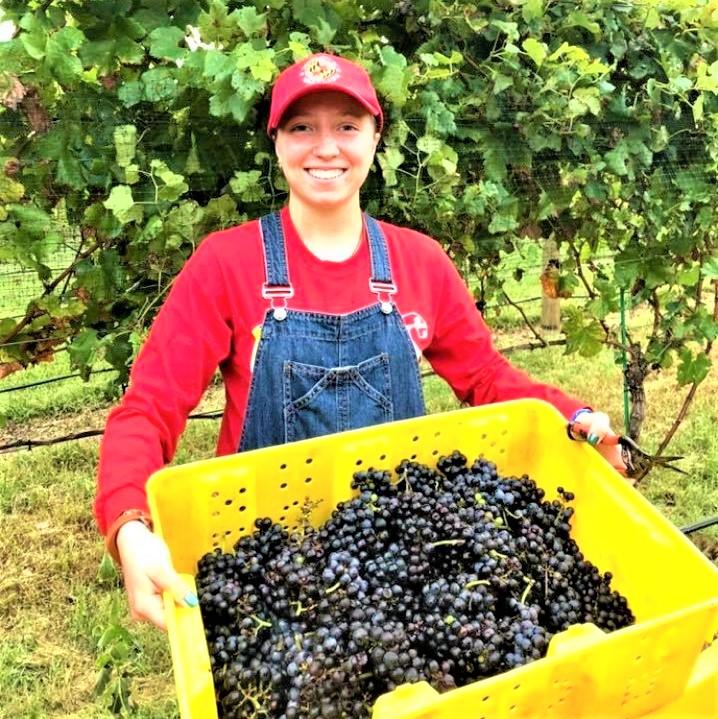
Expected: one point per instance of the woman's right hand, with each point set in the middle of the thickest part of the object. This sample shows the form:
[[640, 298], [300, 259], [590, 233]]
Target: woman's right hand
[[148, 571]]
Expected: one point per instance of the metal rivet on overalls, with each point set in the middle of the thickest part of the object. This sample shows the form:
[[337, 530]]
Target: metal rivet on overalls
[[387, 308], [280, 313]]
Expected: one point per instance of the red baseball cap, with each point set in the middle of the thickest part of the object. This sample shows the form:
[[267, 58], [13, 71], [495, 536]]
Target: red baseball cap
[[322, 72]]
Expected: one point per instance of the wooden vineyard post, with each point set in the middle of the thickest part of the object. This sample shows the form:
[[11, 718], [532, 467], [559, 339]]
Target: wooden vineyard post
[[550, 303]]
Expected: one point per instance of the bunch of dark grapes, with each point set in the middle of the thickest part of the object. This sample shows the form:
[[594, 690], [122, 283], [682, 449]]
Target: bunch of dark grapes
[[445, 575]]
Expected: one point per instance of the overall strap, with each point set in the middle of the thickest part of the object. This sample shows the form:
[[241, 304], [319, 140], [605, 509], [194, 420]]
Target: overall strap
[[380, 282], [276, 288]]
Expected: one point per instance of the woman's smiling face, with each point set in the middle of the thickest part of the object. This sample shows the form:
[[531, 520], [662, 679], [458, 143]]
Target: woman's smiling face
[[325, 145]]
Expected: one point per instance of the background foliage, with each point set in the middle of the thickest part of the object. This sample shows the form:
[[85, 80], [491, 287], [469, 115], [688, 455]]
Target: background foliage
[[129, 129]]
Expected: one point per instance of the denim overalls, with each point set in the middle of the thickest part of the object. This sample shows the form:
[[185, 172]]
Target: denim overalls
[[318, 373]]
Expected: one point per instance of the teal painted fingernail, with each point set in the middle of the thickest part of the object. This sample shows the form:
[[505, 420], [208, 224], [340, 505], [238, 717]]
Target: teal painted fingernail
[[593, 439], [190, 599]]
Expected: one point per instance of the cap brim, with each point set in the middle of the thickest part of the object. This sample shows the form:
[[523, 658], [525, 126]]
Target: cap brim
[[323, 87]]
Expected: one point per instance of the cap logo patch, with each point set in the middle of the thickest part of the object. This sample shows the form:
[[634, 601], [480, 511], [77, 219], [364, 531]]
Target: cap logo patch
[[320, 69]]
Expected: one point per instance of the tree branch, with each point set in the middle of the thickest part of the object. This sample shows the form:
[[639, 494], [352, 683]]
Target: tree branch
[[526, 320], [30, 314], [687, 401]]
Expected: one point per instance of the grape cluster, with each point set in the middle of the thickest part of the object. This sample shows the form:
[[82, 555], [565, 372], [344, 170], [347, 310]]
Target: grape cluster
[[447, 575]]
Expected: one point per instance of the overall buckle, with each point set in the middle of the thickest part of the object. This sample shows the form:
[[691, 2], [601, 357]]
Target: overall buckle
[[383, 290], [278, 296]]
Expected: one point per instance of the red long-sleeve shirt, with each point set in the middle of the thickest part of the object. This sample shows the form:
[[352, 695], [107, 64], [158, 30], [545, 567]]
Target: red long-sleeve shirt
[[212, 317]]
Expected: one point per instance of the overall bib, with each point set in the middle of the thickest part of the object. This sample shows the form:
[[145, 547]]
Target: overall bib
[[316, 373]]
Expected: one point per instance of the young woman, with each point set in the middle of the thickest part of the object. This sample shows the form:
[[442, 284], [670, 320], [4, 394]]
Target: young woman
[[316, 316]]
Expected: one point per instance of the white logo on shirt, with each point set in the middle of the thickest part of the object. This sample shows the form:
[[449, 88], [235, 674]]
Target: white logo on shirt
[[417, 328]]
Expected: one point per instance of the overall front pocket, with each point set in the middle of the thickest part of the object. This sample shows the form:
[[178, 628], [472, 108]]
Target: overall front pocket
[[323, 400]]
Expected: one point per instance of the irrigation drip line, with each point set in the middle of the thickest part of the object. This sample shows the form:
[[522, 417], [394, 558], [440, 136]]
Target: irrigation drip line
[[689, 529], [29, 444], [51, 380]]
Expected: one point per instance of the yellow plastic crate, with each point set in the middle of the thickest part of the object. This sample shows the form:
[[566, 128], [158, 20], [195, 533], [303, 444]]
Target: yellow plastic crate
[[671, 587], [699, 699]]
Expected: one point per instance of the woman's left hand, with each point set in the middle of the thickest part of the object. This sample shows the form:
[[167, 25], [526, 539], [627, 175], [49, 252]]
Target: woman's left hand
[[597, 426]]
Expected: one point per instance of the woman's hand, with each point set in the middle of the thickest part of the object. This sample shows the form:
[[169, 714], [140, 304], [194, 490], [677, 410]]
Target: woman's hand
[[148, 571], [597, 427]]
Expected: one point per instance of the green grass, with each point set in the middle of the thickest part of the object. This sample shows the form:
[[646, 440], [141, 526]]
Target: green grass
[[54, 606], [57, 398]]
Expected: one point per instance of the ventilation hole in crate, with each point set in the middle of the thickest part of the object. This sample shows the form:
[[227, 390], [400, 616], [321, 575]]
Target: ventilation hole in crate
[[308, 480], [517, 686], [242, 490], [295, 503], [486, 698], [283, 466], [308, 460], [435, 452], [382, 457], [638, 658], [413, 456], [242, 508], [215, 495], [215, 535], [241, 529], [437, 434], [283, 485], [227, 532], [228, 502], [484, 435], [359, 462], [286, 507], [282, 518], [215, 514], [415, 438]]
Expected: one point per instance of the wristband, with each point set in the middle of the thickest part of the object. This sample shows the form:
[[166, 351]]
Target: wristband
[[574, 417], [129, 515], [578, 413]]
